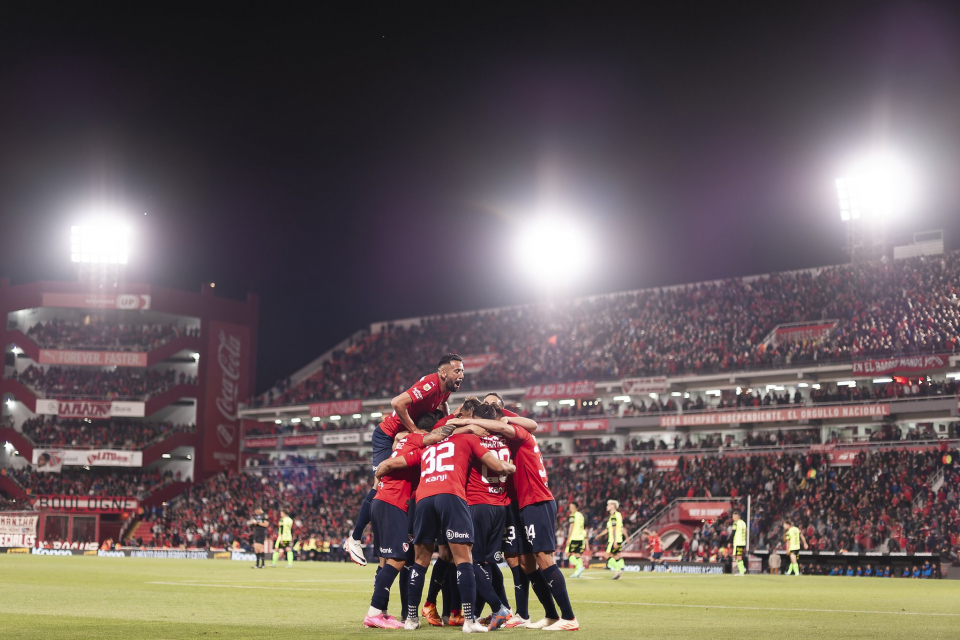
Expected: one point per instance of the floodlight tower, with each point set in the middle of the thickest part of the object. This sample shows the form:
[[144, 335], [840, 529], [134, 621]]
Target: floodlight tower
[[868, 196], [100, 251]]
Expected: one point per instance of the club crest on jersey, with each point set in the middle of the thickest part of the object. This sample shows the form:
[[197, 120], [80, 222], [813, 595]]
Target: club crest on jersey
[[498, 556], [427, 387], [406, 547]]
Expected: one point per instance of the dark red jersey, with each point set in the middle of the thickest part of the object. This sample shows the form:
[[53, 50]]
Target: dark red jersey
[[444, 466], [396, 488], [427, 396], [483, 485], [530, 480]]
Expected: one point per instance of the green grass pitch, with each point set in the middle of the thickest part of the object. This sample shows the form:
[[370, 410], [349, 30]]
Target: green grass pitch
[[89, 597]]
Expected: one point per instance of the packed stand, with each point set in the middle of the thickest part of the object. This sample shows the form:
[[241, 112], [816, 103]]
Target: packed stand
[[121, 383], [97, 481], [216, 512], [868, 506], [307, 426], [116, 433], [100, 333], [883, 308]]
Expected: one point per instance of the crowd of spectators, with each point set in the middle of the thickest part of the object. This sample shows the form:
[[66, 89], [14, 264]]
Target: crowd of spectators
[[307, 426], [871, 505], [96, 481], [594, 445], [865, 507], [908, 388], [215, 513], [102, 333], [882, 308], [116, 433], [121, 383]]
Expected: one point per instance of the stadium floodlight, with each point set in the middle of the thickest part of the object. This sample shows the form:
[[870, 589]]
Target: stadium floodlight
[[553, 249], [278, 421], [101, 241], [954, 375], [882, 380], [874, 188], [315, 418], [568, 402], [335, 418], [543, 403], [357, 416], [375, 414], [846, 383], [295, 420], [621, 398]]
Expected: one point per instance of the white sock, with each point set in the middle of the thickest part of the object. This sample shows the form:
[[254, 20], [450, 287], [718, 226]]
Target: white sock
[[374, 612]]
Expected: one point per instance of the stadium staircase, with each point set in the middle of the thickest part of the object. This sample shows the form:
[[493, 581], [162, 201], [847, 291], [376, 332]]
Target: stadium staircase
[[142, 530], [9, 486], [669, 517]]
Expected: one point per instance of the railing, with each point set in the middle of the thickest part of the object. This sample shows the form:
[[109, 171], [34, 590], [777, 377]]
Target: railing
[[760, 450]]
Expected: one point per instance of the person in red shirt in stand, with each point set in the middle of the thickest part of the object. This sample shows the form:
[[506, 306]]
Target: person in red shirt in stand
[[442, 508], [538, 515], [429, 394]]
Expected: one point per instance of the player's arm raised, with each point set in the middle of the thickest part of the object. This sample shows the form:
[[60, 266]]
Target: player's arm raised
[[400, 405]]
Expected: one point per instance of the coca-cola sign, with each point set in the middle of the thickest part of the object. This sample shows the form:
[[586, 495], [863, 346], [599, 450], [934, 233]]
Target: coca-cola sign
[[227, 381]]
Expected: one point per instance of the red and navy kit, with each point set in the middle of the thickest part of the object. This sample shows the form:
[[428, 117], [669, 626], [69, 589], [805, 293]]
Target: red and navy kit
[[488, 500], [427, 396], [441, 496], [396, 488], [538, 509], [389, 517]]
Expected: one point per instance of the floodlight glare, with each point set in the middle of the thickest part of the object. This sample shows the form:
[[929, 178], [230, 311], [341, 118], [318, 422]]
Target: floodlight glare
[[553, 249], [877, 187], [100, 242]]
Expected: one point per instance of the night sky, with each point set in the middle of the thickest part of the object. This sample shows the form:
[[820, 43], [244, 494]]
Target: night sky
[[367, 161]]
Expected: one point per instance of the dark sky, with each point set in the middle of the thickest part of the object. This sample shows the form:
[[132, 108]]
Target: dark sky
[[363, 161]]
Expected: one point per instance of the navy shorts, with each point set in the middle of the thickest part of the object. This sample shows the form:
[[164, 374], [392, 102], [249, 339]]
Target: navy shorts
[[442, 514], [514, 542], [390, 537], [540, 525], [488, 523], [382, 446]]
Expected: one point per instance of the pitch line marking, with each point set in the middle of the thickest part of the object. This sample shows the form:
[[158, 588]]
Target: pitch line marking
[[744, 608]]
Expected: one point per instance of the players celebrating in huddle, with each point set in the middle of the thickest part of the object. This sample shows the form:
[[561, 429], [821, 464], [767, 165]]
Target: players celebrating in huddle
[[476, 484]]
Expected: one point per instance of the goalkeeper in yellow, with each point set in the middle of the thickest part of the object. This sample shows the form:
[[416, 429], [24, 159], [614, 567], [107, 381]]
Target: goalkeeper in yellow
[[284, 539], [739, 542], [576, 539], [793, 537]]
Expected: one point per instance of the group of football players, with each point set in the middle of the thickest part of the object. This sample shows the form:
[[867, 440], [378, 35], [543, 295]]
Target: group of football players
[[471, 485]]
